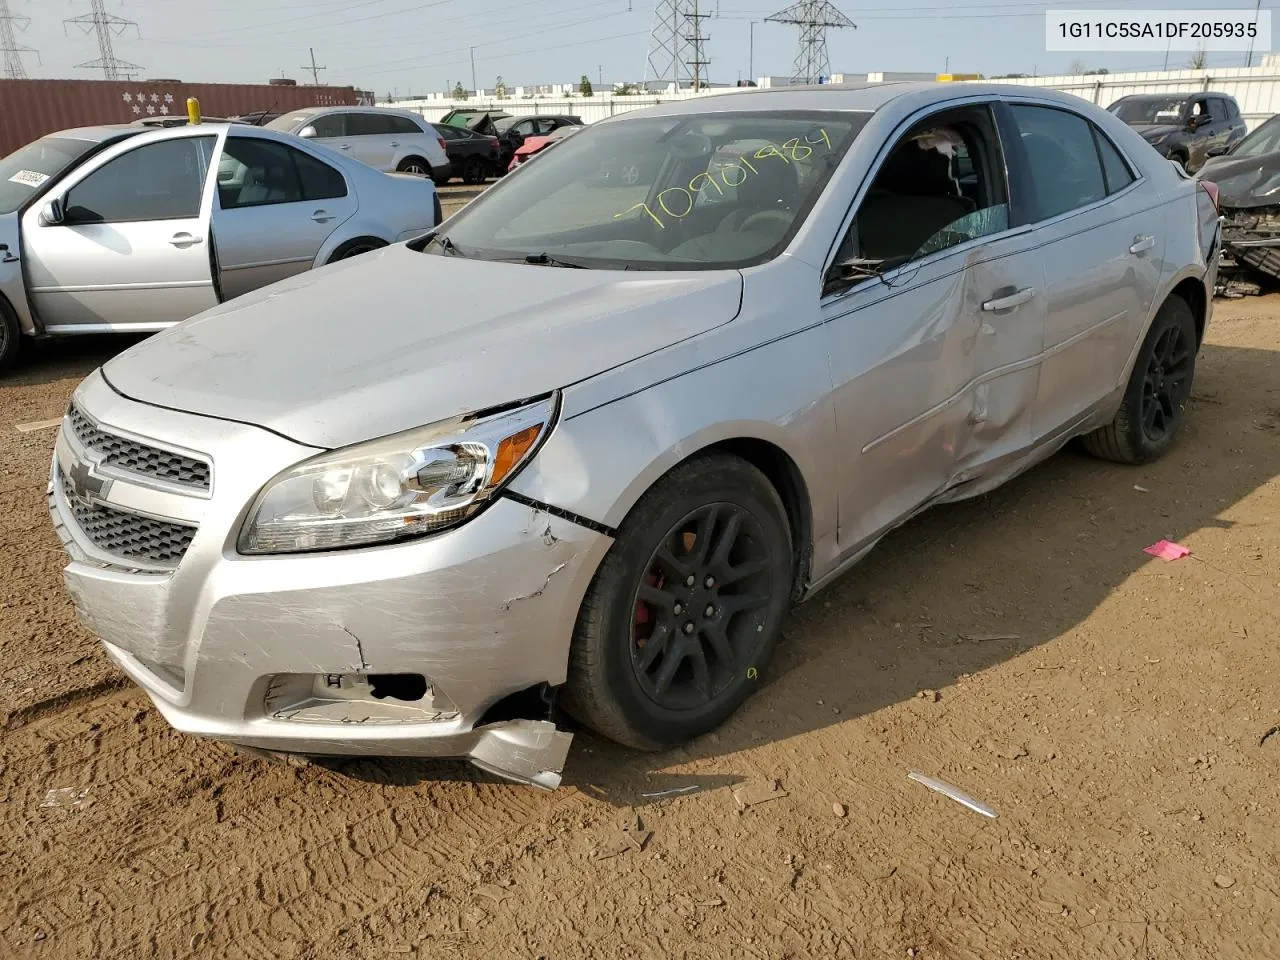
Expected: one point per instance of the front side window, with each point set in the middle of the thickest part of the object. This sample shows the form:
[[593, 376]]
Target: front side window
[[941, 185], [157, 181], [1066, 172], [332, 126], [699, 192]]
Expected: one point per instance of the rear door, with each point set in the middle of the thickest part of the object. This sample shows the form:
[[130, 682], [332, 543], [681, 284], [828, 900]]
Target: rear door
[[371, 137], [276, 207], [133, 250], [1102, 234]]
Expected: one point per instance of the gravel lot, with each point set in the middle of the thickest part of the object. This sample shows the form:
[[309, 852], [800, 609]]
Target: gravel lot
[[1113, 708]]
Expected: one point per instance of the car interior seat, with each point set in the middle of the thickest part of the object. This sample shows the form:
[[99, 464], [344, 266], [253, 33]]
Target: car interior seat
[[913, 197]]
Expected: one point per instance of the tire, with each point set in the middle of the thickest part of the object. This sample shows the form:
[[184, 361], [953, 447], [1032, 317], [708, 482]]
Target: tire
[[10, 336], [1147, 422], [353, 248], [417, 166], [473, 171], [1181, 157], [717, 634]]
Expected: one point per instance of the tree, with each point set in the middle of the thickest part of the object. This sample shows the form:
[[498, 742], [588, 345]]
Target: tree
[[1199, 60], [459, 91], [500, 88], [1077, 67], [584, 87]]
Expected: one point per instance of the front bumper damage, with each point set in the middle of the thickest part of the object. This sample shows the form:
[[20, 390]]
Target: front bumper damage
[[410, 650], [1251, 237]]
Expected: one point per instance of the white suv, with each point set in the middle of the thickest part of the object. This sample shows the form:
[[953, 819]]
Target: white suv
[[390, 140]]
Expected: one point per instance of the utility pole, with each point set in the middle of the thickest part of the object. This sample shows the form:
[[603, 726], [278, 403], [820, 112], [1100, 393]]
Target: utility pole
[[9, 46], [751, 53], [105, 25], [313, 69], [600, 75], [1248, 62], [696, 40], [473, 69]]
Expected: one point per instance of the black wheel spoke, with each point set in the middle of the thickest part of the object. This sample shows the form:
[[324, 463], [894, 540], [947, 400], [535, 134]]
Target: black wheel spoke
[[748, 568], [701, 674], [674, 656], [675, 568], [742, 602], [703, 535], [725, 543], [718, 640], [657, 643], [654, 597]]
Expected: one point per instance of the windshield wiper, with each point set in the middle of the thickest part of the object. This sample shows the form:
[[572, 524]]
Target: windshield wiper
[[446, 245], [542, 260]]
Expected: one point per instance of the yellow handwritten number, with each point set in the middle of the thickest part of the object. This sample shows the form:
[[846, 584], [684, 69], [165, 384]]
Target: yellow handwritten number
[[752, 673], [823, 135], [662, 202], [795, 146], [645, 208]]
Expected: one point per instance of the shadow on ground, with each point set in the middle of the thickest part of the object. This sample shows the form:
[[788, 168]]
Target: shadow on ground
[[48, 361]]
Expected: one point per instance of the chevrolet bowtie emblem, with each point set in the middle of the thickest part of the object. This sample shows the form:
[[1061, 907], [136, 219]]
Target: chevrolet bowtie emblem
[[86, 486]]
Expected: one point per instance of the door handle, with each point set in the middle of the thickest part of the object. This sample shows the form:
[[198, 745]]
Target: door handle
[[345, 146], [1016, 299], [395, 143], [1142, 244], [5, 255], [322, 216], [184, 240]]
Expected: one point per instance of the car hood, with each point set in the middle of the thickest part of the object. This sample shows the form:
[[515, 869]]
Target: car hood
[[1245, 182], [1152, 131], [396, 339]]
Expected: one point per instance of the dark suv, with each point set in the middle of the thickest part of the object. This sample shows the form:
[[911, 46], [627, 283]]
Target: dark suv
[[1184, 126]]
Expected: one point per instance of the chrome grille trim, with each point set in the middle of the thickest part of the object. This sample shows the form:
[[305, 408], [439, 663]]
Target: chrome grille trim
[[136, 458], [126, 534]]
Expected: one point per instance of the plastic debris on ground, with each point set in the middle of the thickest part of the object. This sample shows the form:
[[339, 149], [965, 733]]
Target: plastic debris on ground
[[954, 793], [1167, 550]]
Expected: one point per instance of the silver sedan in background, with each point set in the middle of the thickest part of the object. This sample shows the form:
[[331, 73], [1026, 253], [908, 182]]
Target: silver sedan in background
[[304, 525], [125, 229]]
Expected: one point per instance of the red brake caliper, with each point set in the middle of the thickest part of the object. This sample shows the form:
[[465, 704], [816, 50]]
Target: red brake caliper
[[643, 615]]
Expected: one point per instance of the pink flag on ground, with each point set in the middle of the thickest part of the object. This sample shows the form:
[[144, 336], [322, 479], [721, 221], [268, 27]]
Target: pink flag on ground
[[1167, 550]]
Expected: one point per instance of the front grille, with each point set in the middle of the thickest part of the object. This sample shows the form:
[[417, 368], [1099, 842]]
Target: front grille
[[138, 458], [129, 534]]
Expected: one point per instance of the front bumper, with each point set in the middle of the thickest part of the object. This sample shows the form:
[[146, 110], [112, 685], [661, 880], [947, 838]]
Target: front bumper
[[244, 648]]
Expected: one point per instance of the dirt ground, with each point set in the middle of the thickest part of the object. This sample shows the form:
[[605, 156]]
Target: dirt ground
[[1113, 709]]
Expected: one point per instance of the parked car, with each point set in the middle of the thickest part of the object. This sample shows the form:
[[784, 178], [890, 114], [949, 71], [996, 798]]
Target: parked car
[[1248, 179], [124, 229], [472, 156], [533, 146], [1186, 128], [307, 526], [512, 131], [388, 140]]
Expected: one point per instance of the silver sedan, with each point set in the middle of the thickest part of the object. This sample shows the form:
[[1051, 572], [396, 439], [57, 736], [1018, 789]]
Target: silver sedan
[[131, 230], [683, 404]]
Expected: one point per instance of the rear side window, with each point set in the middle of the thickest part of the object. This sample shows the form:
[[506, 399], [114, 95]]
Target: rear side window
[[1117, 172], [450, 133], [255, 173], [1066, 172], [319, 180], [368, 125]]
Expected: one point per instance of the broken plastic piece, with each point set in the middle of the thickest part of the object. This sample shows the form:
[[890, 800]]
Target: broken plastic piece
[[1167, 550], [758, 791], [955, 793]]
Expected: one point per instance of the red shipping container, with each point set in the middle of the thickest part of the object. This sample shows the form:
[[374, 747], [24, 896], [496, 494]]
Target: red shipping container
[[31, 108]]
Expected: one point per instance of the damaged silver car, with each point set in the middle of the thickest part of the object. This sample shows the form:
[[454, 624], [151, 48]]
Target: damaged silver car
[[339, 517]]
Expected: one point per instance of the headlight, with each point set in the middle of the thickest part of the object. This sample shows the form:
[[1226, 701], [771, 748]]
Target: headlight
[[405, 485]]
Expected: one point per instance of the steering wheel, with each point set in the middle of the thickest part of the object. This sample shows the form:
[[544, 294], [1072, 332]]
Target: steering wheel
[[765, 216]]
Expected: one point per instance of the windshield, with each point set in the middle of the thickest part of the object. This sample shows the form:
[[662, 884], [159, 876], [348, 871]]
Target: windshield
[[25, 171], [1266, 139], [290, 121], [713, 191], [1158, 110]]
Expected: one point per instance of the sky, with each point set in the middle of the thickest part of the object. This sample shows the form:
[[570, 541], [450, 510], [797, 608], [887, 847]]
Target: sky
[[405, 47]]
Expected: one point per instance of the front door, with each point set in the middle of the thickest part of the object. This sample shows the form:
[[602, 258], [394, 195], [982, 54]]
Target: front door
[[276, 207], [934, 356], [1102, 260], [132, 250]]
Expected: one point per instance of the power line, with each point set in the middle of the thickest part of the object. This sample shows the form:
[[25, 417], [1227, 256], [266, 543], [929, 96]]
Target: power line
[[669, 48], [105, 25], [814, 18], [9, 46]]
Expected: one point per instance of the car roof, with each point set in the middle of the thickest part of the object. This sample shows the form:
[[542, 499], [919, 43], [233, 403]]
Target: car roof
[[100, 134]]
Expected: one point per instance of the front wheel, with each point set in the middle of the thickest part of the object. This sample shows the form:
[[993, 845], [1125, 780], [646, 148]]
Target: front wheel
[[473, 171], [683, 615], [1157, 393], [10, 336]]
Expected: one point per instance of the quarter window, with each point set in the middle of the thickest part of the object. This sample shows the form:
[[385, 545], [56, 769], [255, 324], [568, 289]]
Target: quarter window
[[1063, 161], [255, 172], [403, 125], [1117, 172], [158, 181]]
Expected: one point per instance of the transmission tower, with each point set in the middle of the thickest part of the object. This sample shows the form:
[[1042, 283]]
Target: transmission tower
[[669, 52], [696, 62], [813, 17], [11, 23], [105, 25]]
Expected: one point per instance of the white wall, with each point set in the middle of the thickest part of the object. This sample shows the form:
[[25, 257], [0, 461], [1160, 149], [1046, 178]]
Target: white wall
[[590, 109]]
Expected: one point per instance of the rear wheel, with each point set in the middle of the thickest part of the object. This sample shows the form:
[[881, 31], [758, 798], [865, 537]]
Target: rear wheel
[[1157, 393], [10, 336], [473, 170], [414, 165], [684, 613], [353, 248]]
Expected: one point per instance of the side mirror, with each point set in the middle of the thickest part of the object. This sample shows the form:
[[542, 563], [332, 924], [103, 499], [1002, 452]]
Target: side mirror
[[1194, 123], [307, 132], [53, 214], [1220, 150]]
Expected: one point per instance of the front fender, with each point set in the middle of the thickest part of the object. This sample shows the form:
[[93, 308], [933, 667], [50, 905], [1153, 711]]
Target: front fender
[[599, 463]]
